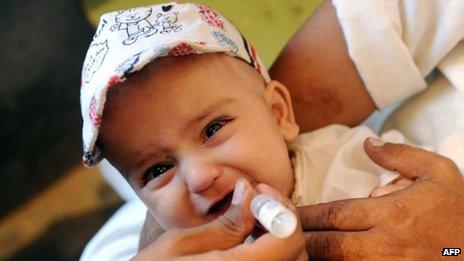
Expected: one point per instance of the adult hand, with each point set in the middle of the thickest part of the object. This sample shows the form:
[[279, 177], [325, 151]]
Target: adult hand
[[416, 223], [223, 238]]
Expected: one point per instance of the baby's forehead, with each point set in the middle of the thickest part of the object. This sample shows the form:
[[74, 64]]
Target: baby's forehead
[[179, 73]]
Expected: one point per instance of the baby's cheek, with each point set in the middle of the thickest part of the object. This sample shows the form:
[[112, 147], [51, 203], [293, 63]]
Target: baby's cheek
[[282, 177], [173, 210], [157, 205]]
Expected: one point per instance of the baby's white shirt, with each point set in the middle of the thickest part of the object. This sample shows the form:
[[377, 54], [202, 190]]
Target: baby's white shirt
[[330, 164]]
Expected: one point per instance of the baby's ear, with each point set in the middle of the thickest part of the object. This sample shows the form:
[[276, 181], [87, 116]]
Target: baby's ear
[[280, 103]]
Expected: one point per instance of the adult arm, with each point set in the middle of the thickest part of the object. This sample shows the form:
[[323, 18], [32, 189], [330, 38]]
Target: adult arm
[[323, 81], [414, 223], [393, 46]]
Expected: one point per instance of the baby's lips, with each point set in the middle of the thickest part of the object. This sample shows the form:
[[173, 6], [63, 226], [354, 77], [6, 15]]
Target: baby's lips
[[220, 205]]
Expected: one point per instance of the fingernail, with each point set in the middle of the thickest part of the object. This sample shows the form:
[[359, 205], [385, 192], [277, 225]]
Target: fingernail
[[239, 192], [376, 142]]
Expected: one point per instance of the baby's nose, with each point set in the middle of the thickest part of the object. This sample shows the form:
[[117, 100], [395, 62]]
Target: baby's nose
[[200, 176]]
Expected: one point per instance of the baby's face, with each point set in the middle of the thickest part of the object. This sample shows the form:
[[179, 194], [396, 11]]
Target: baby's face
[[184, 130]]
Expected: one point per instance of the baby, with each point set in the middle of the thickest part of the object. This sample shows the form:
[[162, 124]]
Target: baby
[[177, 100]]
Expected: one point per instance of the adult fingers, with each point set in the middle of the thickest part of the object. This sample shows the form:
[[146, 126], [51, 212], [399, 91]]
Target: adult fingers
[[411, 162], [228, 230], [390, 188], [342, 215], [269, 247], [336, 244]]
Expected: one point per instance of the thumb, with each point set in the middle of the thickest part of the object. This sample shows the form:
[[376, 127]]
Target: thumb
[[228, 230], [238, 222], [411, 162]]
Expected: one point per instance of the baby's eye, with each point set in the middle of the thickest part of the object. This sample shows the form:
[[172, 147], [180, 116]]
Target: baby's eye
[[214, 126], [157, 171]]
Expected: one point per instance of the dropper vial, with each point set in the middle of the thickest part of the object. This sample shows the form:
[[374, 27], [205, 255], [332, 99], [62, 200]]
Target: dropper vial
[[275, 218]]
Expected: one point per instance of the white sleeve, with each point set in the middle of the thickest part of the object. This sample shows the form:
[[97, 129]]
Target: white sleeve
[[452, 66], [395, 44], [118, 239]]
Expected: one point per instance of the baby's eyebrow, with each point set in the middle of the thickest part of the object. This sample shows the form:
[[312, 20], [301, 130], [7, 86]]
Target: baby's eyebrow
[[135, 168], [208, 111], [188, 125]]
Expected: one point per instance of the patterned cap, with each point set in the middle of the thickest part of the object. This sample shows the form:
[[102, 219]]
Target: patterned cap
[[127, 40]]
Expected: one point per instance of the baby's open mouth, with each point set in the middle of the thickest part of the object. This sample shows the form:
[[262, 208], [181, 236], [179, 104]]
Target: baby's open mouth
[[222, 205]]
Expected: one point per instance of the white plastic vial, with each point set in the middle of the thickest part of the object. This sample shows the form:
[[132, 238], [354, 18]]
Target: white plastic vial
[[275, 218]]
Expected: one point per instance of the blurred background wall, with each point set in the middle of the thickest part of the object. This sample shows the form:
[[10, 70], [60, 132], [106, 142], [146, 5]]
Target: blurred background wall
[[49, 205]]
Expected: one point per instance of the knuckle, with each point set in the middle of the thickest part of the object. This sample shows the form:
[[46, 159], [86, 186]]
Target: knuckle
[[397, 211], [394, 246], [229, 227], [401, 151], [226, 222], [353, 248], [229, 233], [319, 247], [304, 216], [307, 219], [391, 154], [446, 164], [329, 217]]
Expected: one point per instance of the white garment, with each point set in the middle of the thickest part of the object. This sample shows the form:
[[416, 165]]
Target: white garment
[[396, 44], [435, 118], [330, 164], [403, 47], [118, 239]]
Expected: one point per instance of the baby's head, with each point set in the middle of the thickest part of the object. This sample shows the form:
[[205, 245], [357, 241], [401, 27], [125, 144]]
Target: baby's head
[[184, 129]]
